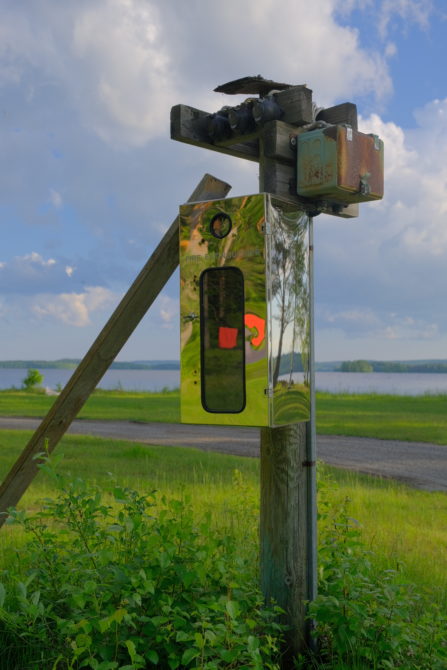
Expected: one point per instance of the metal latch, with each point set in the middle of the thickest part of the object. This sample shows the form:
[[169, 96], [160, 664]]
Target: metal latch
[[365, 188]]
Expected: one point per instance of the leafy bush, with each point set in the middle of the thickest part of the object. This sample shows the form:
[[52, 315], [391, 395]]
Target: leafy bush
[[33, 378], [131, 583], [364, 619]]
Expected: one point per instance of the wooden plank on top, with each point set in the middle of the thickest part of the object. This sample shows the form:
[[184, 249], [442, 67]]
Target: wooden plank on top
[[255, 85], [346, 112]]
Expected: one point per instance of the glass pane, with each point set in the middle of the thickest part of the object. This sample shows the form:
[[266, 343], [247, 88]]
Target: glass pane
[[222, 339]]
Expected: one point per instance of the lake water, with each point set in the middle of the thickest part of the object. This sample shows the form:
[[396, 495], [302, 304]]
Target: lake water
[[336, 382]]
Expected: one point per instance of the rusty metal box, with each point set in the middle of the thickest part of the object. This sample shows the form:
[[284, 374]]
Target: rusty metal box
[[244, 310], [339, 164]]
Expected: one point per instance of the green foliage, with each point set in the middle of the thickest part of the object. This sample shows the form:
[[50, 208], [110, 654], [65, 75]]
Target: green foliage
[[365, 619], [130, 582], [72, 592], [33, 378]]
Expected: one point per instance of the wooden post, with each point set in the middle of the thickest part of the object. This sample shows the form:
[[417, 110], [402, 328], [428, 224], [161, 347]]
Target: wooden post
[[107, 345], [283, 528], [287, 520]]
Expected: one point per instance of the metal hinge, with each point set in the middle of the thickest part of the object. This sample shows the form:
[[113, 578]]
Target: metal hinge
[[269, 392], [377, 141]]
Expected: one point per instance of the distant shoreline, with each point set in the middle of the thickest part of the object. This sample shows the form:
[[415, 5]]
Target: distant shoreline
[[72, 363], [432, 366]]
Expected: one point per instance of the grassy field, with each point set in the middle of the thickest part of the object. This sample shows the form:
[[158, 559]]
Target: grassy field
[[409, 526], [411, 418], [405, 528]]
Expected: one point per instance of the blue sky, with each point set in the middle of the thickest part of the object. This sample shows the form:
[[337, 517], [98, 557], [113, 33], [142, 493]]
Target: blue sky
[[91, 179]]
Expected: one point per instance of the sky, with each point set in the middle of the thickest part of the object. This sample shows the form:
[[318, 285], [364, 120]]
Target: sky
[[91, 180]]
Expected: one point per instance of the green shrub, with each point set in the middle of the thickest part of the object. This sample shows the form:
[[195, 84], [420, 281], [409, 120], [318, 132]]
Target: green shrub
[[33, 378], [366, 619], [131, 583]]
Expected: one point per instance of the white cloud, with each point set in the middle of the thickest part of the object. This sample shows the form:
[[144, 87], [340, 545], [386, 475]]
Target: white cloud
[[357, 323], [410, 11], [385, 12], [73, 309], [122, 48], [55, 198], [168, 311], [34, 259], [414, 208], [124, 63]]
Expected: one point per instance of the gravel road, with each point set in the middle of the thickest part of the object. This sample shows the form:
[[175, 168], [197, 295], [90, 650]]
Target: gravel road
[[417, 464]]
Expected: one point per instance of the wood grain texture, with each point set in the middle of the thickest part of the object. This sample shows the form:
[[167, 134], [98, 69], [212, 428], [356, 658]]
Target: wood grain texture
[[296, 102], [276, 136], [190, 125], [283, 523], [107, 345], [346, 112]]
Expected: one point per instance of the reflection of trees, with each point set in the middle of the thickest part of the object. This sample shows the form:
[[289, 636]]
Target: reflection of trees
[[290, 288]]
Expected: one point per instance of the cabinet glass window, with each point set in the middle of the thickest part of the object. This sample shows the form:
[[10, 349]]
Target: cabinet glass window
[[222, 339]]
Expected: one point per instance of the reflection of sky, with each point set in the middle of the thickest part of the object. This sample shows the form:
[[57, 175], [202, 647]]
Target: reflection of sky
[[287, 342]]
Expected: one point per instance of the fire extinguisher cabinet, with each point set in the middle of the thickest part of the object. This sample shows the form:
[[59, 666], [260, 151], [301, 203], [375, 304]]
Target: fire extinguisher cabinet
[[244, 312]]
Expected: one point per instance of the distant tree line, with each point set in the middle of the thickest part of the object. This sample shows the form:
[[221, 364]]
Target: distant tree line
[[287, 365], [356, 366], [391, 366]]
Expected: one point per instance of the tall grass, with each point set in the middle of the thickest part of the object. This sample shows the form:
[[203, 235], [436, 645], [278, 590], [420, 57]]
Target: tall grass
[[409, 527], [380, 545]]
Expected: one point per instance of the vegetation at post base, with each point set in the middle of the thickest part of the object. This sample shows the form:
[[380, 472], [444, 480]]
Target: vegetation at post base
[[365, 619], [114, 578], [32, 380], [130, 581]]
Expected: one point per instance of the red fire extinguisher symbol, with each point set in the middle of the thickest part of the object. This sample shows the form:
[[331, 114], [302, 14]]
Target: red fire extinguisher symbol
[[227, 337]]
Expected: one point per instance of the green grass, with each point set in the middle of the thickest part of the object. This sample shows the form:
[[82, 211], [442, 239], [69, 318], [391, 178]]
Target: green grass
[[407, 529], [404, 527], [410, 418], [113, 405]]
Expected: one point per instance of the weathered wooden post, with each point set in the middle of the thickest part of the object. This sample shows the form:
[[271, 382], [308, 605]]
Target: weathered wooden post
[[278, 129]]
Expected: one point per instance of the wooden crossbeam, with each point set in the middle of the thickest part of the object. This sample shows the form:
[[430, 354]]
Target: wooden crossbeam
[[190, 125], [103, 351]]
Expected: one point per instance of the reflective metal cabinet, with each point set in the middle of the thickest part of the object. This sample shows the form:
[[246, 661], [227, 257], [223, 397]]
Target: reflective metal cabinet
[[244, 305]]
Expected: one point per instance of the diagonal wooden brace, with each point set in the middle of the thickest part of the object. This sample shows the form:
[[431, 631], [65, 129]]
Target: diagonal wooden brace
[[101, 354]]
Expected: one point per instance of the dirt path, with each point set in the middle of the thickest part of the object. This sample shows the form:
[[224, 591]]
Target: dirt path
[[418, 464]]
